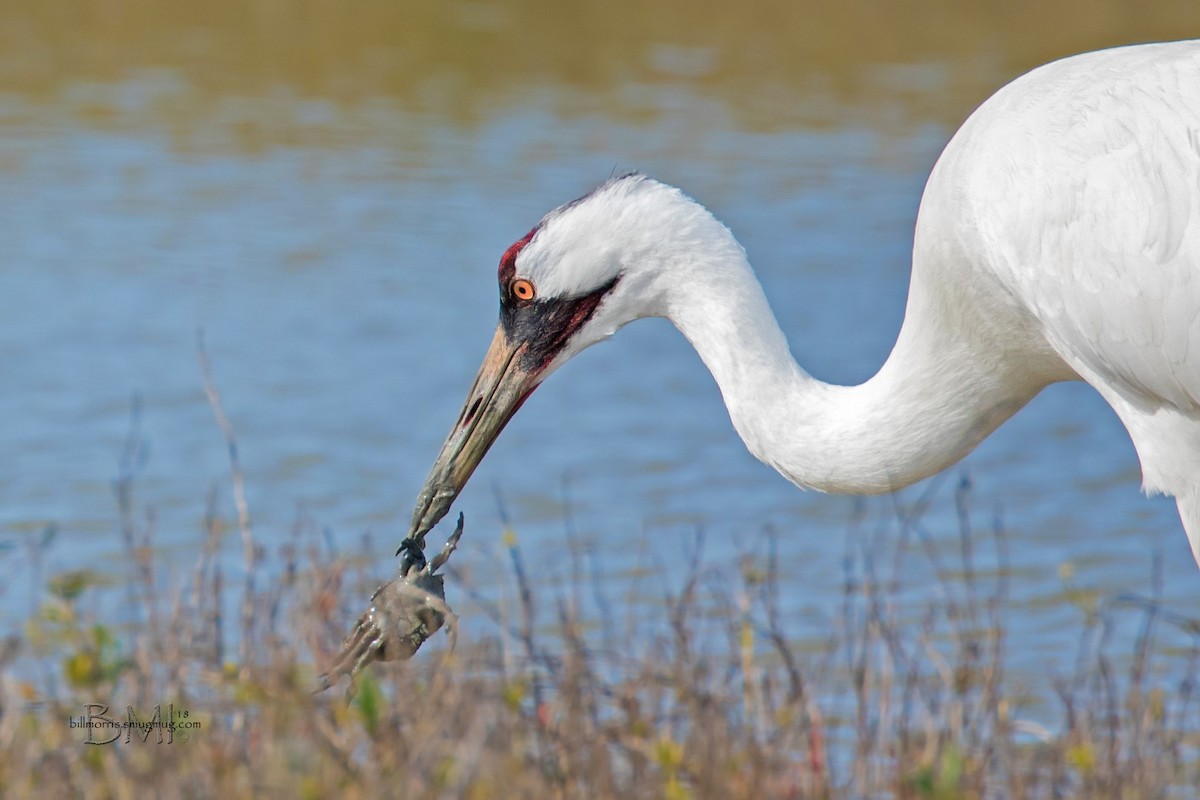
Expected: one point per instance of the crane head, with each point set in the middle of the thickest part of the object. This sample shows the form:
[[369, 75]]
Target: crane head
[[570, 282]]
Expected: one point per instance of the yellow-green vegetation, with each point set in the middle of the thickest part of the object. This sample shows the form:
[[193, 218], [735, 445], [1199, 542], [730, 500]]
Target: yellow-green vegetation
[[710, 699]]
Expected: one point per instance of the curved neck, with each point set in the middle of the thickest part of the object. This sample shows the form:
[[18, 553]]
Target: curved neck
[[926, 408]]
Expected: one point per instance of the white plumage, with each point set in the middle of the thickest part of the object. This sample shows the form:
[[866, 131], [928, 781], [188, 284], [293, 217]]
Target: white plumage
[[1058, 238]]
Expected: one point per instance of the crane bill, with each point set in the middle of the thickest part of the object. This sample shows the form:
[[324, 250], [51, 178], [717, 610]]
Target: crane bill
[[502, 385]]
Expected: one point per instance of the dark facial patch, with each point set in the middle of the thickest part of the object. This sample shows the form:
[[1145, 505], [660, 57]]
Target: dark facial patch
[[508, 261], [545, 326]]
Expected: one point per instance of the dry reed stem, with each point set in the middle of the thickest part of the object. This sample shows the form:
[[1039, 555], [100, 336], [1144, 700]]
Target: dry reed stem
[[707, 695]]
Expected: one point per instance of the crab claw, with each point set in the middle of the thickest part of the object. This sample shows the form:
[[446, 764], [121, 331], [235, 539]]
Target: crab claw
[[411, 556]]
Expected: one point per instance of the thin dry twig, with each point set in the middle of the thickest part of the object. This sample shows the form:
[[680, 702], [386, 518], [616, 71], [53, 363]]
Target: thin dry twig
[[238, 479]]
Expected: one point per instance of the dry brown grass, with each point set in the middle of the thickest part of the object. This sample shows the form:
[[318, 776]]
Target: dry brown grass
[[711, 700], [710, 697]]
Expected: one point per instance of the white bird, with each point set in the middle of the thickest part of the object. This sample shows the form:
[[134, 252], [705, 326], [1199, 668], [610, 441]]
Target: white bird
[[1058, 239]]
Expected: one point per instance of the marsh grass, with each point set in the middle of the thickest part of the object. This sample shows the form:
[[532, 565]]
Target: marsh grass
[[708, 695]]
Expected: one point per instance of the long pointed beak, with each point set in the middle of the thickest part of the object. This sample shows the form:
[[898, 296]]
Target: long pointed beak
[[500, 388]]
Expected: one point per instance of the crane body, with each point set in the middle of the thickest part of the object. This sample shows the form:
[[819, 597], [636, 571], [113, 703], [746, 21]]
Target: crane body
[[1058, 238]]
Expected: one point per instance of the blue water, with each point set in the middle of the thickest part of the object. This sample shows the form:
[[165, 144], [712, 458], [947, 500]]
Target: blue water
[[342, 270]]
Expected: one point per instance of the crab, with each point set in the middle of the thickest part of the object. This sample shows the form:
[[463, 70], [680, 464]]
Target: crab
[[404, 613]]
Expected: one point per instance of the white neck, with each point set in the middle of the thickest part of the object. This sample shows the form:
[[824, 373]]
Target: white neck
[[926, 408]]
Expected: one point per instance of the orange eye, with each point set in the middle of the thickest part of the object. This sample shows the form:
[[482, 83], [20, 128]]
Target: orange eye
[[522, 289]]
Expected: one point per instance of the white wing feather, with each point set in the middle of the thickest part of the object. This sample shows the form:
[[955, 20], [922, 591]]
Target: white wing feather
[[1074, 194], [1094, 212]]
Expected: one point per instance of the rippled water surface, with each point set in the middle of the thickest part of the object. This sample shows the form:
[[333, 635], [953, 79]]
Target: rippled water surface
[[326, 199]]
